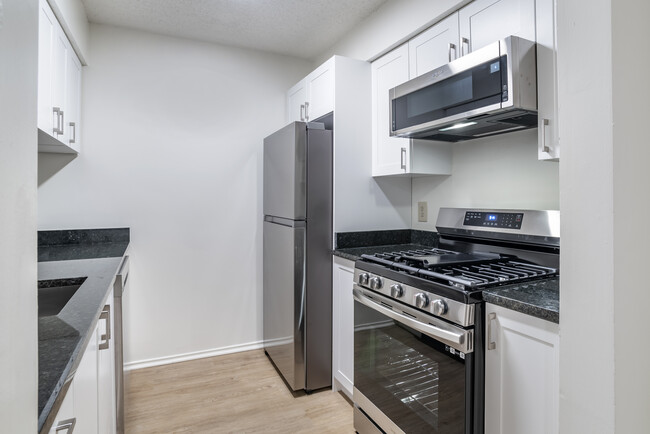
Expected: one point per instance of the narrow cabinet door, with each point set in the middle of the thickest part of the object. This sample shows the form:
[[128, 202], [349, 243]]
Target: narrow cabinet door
[[46, 32], [343, 325], [296, 98], [320, 91], [521, 373], [390, 154], [85, 388], [485, 21], [60, 56], [547, 96], [435, 47], [73, 101], [106, 370]]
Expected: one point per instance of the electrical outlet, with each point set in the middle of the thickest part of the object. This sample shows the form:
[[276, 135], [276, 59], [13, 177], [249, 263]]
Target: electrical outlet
[[422, 212]]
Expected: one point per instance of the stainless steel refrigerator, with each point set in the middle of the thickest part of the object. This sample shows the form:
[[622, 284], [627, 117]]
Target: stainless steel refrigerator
[[297, 254]]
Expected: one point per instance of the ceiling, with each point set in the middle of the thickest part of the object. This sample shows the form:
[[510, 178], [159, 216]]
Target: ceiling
[[300, 28]]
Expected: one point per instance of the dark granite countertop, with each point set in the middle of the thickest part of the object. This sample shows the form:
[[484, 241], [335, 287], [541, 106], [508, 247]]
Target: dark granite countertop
[[62, 338], [540, 299]]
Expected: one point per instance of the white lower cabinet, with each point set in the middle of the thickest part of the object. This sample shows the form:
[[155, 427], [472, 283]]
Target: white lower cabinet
[[521, 373], [90, 399], [65, 421], [342, 325]]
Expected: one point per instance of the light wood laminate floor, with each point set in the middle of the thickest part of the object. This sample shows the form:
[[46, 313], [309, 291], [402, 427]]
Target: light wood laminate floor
[[235, 393]]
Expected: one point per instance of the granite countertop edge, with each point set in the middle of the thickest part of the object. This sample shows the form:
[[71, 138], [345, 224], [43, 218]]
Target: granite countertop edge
[[75, 321]]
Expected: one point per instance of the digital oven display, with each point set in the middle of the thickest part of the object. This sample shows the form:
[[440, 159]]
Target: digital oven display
[[504, 220]]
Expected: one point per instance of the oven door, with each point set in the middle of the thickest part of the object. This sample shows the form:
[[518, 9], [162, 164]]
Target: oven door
[[408, 377]]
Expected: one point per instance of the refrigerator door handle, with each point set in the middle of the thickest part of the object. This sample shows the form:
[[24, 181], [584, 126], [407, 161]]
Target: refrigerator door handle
[[285, 222]]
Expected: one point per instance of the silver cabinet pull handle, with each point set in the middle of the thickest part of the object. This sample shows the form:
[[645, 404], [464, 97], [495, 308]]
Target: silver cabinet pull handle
[[402, 159], [302, 112], [463, 42], [67, 425], [491, 344], [106, 314], [57, 112], [62, 121], [307, 111], [452, 47], [74, 132], [545, 147]]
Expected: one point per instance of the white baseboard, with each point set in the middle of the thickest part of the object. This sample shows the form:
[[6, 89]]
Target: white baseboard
[[166, 360]]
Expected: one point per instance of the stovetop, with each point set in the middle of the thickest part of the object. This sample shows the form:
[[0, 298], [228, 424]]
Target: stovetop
[[459, 276]]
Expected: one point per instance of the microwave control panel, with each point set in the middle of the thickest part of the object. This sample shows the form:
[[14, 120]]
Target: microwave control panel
[[504, 220]]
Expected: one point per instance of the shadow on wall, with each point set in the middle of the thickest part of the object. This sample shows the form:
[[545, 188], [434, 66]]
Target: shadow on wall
[[50, 164]]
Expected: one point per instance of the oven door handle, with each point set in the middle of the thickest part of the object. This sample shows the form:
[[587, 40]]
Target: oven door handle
[[460, 340]]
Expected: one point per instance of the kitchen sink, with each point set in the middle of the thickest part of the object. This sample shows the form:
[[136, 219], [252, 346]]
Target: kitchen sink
[[53, 295]]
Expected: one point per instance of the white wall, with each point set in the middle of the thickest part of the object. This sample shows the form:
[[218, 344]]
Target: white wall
[[586, 202], [631, 93], [172, 136], [495, 172], [18, 306], [393, 23]]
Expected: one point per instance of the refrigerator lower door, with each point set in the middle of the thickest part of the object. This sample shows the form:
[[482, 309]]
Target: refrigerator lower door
[[284, 297]]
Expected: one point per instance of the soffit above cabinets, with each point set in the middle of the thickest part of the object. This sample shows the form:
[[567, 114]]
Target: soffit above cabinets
[[300, 28]]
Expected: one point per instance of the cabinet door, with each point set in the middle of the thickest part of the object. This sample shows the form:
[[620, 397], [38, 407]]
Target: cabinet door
[[85, 388], [343, 325], [65, 415], [320, 91], [485, 21], [521, 373], [435, 47], [106, 370], [296, 98], [46, 32], [547, 97], [389, 154], [73, 100], [59, 62]]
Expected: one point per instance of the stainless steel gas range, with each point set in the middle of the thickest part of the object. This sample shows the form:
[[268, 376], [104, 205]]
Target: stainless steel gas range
[[419, 318]]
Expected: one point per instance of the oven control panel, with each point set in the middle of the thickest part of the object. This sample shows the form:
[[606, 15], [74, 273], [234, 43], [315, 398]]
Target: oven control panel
[[504, 220]]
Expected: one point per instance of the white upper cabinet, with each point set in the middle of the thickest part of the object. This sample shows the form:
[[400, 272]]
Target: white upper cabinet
[[59, 87], [548, 137], [313, 96], [434, 47], [388, 152], [485, 21], [394, 155]]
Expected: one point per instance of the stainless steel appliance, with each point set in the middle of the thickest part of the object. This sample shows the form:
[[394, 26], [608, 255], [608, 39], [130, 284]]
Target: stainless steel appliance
[[419, 316], [297, 254], [119, 289], [490, 91]]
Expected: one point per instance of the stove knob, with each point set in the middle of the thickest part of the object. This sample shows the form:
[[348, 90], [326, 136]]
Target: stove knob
[[363, 278], [376, 283], [421, 300], [439, 307], [396, 290]]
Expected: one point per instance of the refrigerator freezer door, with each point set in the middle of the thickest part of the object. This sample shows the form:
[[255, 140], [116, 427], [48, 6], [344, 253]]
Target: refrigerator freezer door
[[284, 298], [285, 172]]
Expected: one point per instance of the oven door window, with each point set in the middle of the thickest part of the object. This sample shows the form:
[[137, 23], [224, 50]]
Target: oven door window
[[411, 378]]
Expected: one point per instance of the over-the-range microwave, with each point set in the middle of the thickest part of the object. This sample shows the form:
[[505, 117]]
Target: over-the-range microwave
[[490, 91]]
